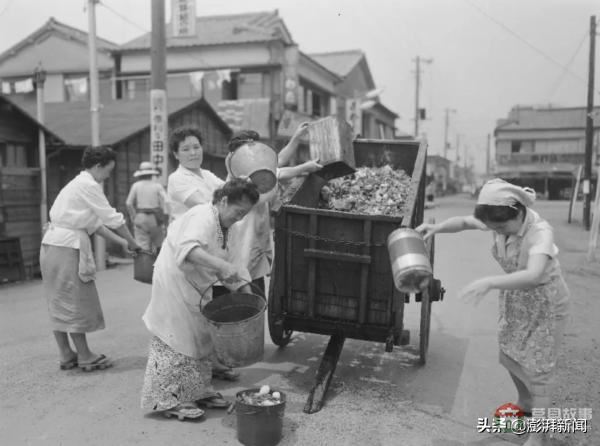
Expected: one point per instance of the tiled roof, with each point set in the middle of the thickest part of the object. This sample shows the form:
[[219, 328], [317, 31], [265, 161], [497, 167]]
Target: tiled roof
[[27, 114], [530, 118], [224, 29], [118, 119], [52, 25], [340, 62]]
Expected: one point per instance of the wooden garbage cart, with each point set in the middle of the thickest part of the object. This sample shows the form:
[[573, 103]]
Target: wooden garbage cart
[[332, 273]]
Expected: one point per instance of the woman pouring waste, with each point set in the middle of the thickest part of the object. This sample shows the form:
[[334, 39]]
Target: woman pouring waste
[[179, 370], [534, 298]]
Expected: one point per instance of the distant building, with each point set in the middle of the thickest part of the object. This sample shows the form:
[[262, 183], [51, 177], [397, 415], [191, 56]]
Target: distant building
[[247, 66], [543, 147], [374, 120], [62, 51], [438, 173]]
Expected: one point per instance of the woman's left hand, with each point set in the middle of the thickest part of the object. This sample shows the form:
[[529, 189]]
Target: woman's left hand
[[475, 291]]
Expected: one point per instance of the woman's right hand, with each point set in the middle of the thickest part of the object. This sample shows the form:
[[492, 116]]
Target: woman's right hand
[[229, 273], [427, 230]]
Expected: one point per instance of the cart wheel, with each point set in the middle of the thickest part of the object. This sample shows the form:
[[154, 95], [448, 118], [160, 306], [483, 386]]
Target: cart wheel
[[280, 336], [426, 305]]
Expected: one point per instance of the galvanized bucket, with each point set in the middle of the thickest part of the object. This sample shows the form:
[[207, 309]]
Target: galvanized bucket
[[409, 259], [237, 326], [258, 162], [143, 266]]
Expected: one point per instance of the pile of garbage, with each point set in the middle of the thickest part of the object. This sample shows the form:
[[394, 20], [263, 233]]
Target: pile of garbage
[[264, 397], [370, 190]]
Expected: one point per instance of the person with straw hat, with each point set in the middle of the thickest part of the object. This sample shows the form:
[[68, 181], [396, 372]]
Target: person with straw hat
[[146, 204], [534, 299]]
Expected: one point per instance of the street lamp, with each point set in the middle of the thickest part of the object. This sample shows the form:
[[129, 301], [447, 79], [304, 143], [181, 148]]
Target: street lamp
[[39, 77]]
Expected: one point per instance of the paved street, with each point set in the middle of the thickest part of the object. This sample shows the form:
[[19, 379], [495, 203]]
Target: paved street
[[376, 398]]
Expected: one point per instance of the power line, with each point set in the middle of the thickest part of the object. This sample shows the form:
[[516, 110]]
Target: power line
[[562, 75], [141, 28], [530, 45], [6, 7]]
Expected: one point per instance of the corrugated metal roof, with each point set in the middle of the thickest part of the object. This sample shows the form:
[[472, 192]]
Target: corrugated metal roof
[[530, 118], [340, 62], [224, 29], [118, 119]]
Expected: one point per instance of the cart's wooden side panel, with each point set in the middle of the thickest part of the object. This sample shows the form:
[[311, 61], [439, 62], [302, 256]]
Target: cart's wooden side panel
[[332, 271]]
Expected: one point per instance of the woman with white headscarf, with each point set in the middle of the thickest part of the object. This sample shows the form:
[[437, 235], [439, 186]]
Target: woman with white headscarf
[[534, 299]]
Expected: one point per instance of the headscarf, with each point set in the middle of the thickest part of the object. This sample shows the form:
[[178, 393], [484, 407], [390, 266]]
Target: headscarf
[[498, 192]]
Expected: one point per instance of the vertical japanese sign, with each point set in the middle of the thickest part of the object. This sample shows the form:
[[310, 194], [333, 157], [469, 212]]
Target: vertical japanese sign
[[290, 77], [159, 150], [183, 18]]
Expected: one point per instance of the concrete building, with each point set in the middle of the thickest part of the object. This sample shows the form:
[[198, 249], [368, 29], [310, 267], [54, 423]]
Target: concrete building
[[543, 147]]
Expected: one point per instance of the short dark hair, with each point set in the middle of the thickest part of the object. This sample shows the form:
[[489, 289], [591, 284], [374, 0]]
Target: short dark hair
[[235, 190], [498, 214], [179, 135], [241, 138], [97, 155]]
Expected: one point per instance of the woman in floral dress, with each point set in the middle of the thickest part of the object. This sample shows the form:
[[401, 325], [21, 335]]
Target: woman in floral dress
[[534, 299], [193, 257]]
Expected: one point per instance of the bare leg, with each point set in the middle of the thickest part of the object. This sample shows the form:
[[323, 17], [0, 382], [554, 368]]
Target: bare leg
[[64, 347], [525, 398], [539, 439], [84, 353]]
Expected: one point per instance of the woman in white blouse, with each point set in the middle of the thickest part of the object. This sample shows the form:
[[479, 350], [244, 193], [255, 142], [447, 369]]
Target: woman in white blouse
[[179, 370], [67, 263], [189, 185]]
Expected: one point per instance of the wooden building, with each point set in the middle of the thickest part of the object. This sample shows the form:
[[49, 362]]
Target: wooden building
[[124, 125], [20, 212]]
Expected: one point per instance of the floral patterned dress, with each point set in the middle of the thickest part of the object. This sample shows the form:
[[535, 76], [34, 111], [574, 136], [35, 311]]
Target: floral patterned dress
[[529, 317]]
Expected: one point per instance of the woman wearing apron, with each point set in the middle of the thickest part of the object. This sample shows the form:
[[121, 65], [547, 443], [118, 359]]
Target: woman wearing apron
[[534, 299]]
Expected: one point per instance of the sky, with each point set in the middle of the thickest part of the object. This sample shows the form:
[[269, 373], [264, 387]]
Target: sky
[[485, 56]]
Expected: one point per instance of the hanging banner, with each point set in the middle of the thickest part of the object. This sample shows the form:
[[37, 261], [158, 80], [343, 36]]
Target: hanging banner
[[159, 150], [183, 18], [354, 114]]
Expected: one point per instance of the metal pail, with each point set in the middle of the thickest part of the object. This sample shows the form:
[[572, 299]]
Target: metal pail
[[259, 425], [409, 259], [258, 162], [237, 326], [143, 266]]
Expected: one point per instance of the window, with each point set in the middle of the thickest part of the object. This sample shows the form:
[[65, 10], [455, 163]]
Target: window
[[13, 155], [515, 146], [313, 101], [76, 88], [229, 88], [137, 88]]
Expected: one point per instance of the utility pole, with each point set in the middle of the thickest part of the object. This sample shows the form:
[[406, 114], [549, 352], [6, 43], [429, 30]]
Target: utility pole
[[589, 129], [39, 77], [418, 61], [158, 91], [99, 242], [488, 155], [446, 124]]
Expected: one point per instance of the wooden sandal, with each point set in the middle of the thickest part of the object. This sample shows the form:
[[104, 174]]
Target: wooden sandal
[[215, 401], [225, 374], [100, 363], [184, 410]]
